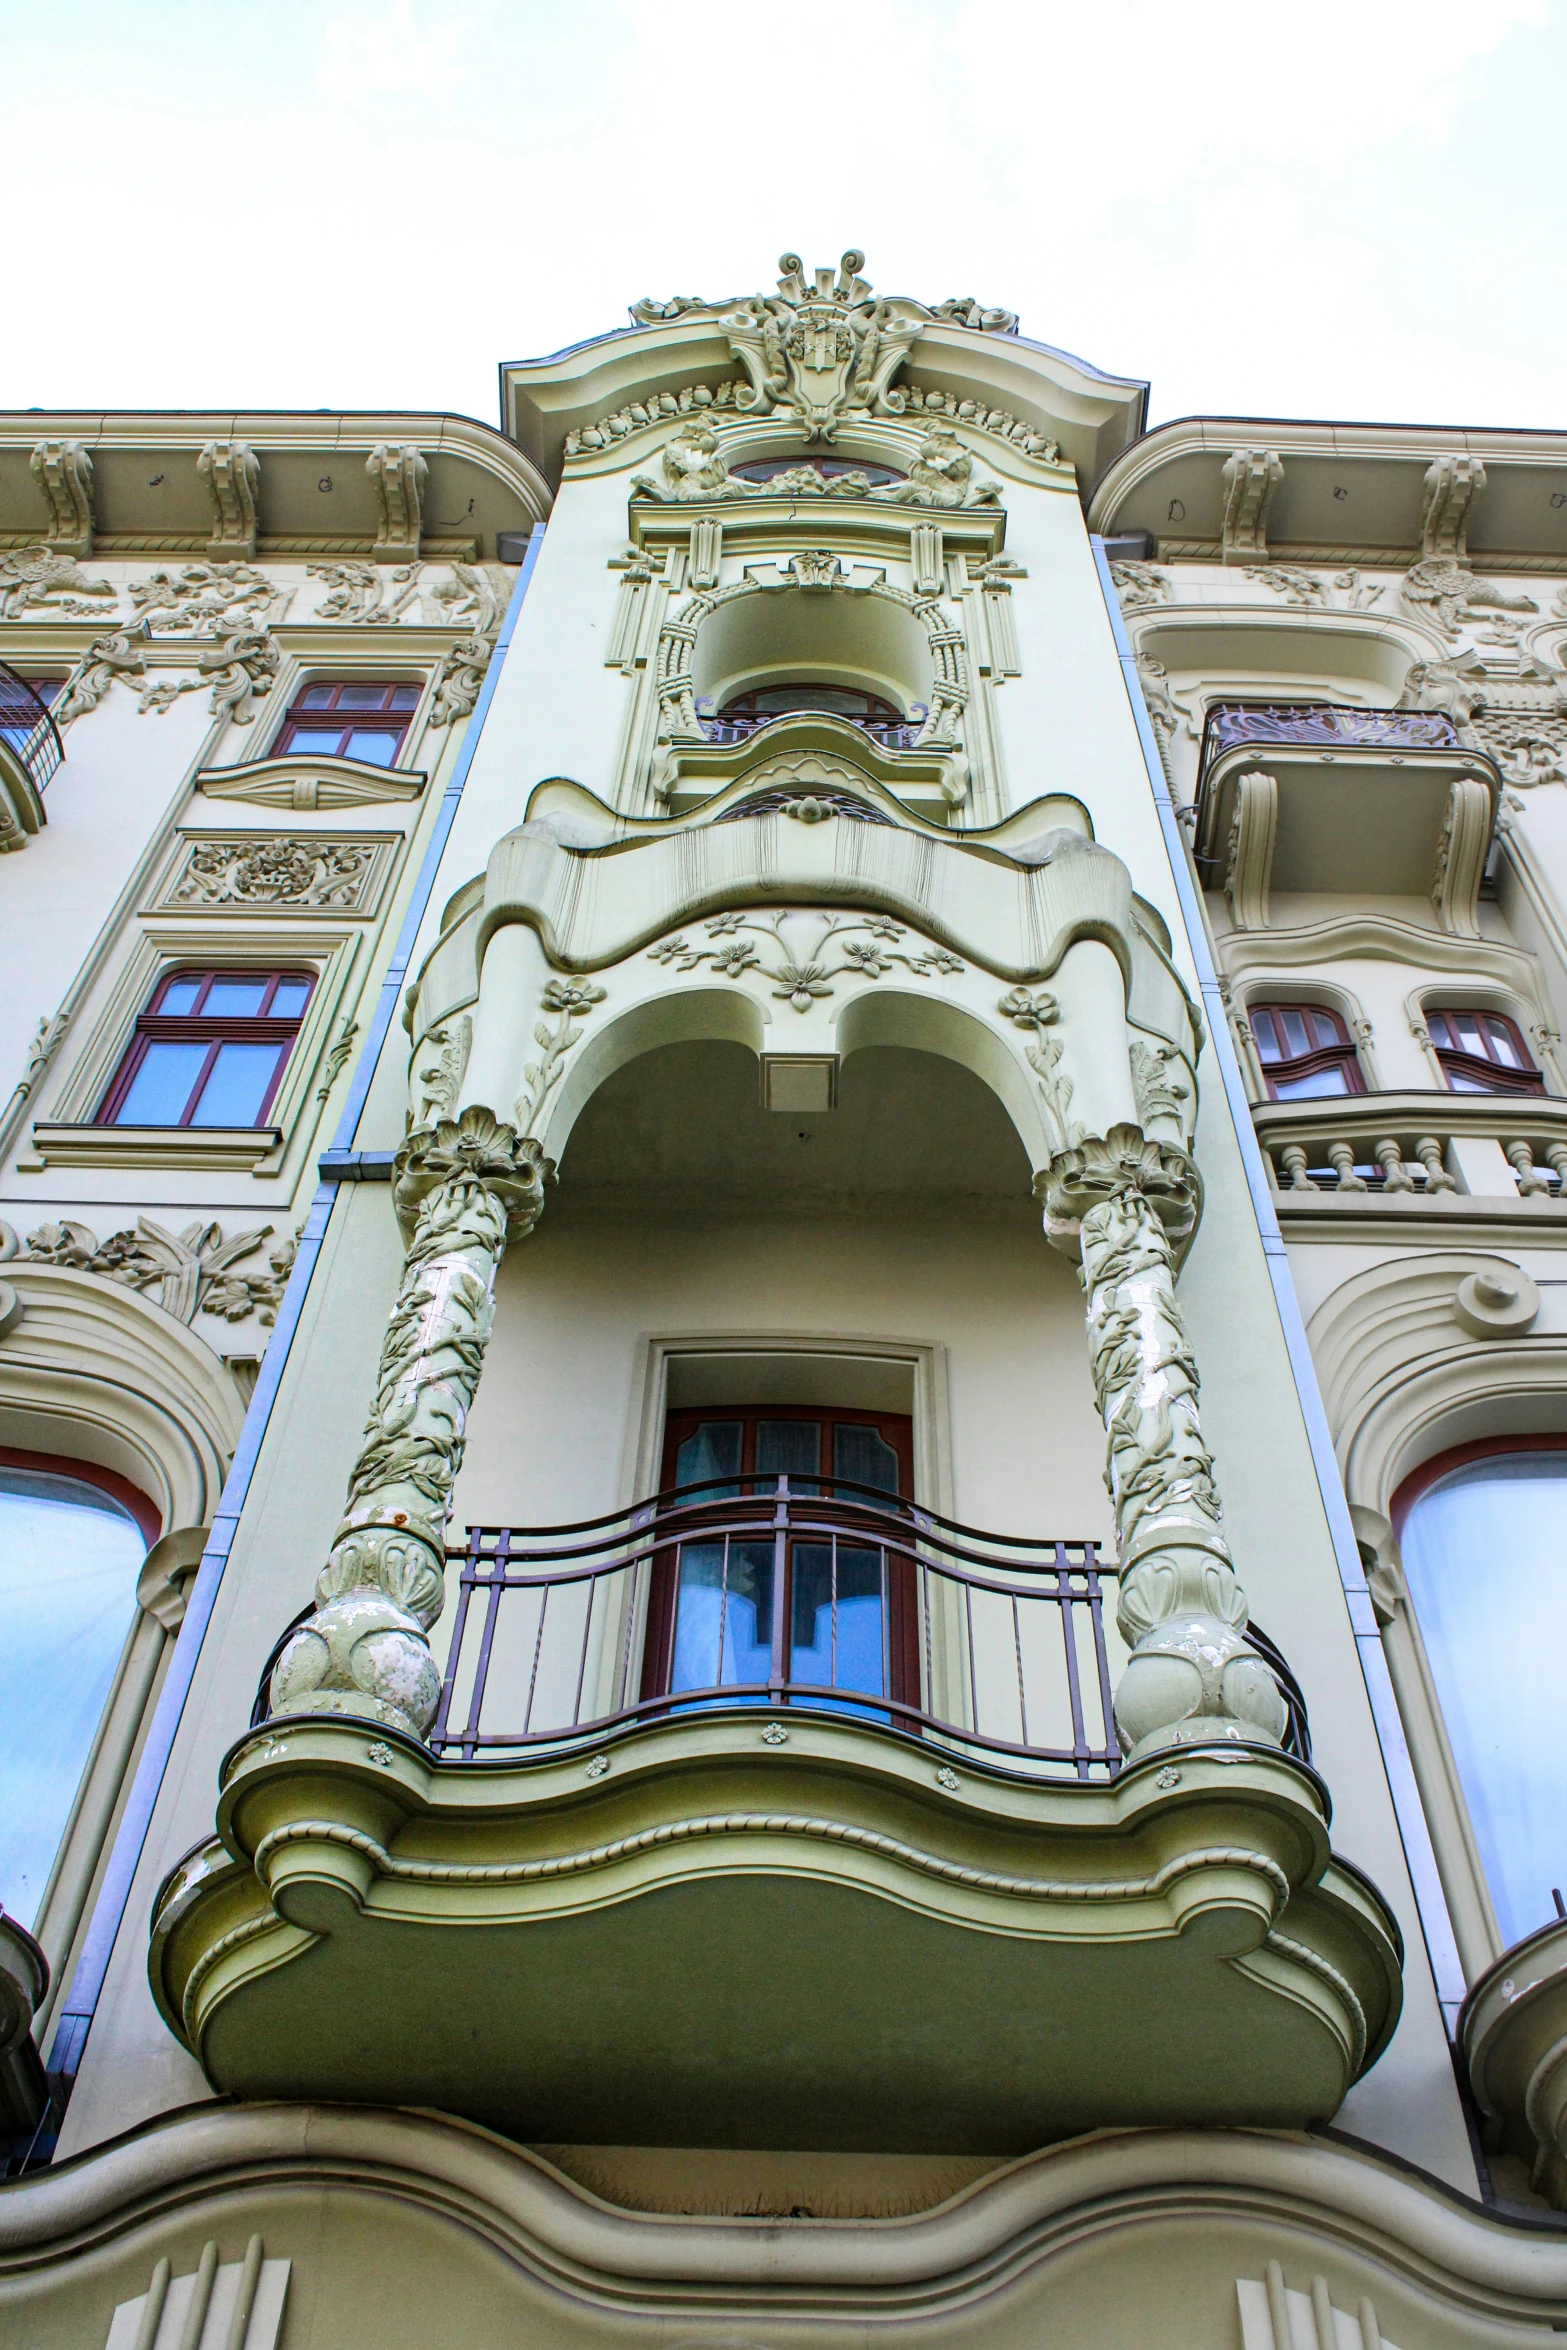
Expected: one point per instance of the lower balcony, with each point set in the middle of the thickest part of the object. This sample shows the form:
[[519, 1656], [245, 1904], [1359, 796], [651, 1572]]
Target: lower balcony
[[1425, 1155], [777, 1818]]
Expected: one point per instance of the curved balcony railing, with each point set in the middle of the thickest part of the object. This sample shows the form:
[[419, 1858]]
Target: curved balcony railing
[[1329, 724], [783, 1594], [27, 730], [893, 735]]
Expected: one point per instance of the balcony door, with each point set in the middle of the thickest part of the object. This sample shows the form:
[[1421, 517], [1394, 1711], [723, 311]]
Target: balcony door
[[775, 1586]]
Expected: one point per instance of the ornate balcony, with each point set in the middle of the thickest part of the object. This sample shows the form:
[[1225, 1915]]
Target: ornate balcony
[[862, 1868], [1439, 1154], [1317, 799], [30, 751], [1513, 2034], [1231, 723]]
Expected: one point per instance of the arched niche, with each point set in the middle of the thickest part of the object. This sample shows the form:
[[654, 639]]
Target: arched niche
[[844, 637], [901, 1020]]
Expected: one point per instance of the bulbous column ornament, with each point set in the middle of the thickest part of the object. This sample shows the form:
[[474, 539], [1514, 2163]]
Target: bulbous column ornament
[[1119, 1201], [465, 1188]]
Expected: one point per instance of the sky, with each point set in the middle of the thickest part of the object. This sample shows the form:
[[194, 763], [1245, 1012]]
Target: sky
[[1349, 209]]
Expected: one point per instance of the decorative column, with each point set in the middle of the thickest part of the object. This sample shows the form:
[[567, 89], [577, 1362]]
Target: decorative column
[[1118, 1201], [465, 1187]]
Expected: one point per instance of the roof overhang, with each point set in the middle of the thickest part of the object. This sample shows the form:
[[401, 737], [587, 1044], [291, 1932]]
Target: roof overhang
[[1349, 490], [315, 495]]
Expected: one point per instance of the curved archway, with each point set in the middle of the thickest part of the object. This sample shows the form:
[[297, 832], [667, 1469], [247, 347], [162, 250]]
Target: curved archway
[[886, 1016]]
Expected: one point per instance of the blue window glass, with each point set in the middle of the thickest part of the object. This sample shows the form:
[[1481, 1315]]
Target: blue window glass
[[69, 1558], [375, 747], [237, 1085], [1483, 1551], [162, 1085]]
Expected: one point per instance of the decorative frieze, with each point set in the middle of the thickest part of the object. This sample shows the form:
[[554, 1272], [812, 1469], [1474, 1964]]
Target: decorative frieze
[[201, 599], [278, 873], [231, 472], [357, 593], [692, 467], [50, 581], [1140, 586], [63, 471], [1441, 589], [568, 1001], [187, 1273], [463, 1189], [803, 966]]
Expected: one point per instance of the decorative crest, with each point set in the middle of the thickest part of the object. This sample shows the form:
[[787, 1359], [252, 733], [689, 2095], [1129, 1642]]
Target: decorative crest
[[823, 350]]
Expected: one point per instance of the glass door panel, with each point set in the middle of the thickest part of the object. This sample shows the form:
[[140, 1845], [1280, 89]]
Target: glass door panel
[[723, 1636], [712, 1450], [792, 1449], [838, 1619]]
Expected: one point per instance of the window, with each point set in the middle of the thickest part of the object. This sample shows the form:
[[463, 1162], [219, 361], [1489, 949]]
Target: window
[[842, 1614], [71, 1548], [1481, 1052], [336, 721], [209, 1050], [1484, 1540], [829, 469], [1305, 1052], [744, 713]]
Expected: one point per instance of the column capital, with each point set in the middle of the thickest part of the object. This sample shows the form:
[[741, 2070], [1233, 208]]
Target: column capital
[[1101, 1167], [476, 1149]]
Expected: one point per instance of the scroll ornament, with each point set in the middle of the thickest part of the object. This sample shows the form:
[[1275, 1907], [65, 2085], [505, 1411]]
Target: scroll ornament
[[1191, 1680], [465, 1187]]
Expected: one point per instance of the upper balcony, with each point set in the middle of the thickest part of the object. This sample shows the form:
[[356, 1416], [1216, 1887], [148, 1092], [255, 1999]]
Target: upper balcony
[[30, 751], [777, 1814], [1311, 799]]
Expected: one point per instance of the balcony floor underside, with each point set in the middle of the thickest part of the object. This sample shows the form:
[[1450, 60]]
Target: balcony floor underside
[[785, 1978]]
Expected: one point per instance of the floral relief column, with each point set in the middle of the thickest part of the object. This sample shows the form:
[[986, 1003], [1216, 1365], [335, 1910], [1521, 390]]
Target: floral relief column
[[466, 1187], [1118, 1201]]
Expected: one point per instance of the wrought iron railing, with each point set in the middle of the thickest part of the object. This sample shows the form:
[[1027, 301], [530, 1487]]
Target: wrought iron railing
[[892, 734], [27, 729], [1328, 724], [986, 1643]]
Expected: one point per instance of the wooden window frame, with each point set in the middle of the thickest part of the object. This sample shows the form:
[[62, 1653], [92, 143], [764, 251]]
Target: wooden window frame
[[895, 1429], [1340, 1055], [155, 1027], [1490, 1076], [387, 720]]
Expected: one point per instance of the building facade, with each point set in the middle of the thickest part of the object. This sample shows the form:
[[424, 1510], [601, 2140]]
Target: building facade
[[784, 1414]]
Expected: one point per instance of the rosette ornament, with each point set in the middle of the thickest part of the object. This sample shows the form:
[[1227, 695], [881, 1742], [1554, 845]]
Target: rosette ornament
[[463, 1189], [1119, 1201]]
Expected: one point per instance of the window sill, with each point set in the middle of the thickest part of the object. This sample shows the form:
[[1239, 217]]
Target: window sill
[[246, 1150]]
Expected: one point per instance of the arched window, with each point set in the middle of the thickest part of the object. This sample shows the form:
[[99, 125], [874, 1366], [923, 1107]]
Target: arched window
[[71, 1548], [1484, 1545], [1305, 1051], [829, 469], [743, 713], [1482, 1052]]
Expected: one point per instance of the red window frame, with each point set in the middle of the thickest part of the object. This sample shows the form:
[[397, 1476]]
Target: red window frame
[[130, 1498], [1337, 1052], [156, 1027], [1486, 1071], [894, 1428], [877, 710], [392, 715]]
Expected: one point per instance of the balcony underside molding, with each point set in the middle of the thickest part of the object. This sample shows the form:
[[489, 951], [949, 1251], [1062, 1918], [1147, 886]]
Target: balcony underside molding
[[839, 1950]]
